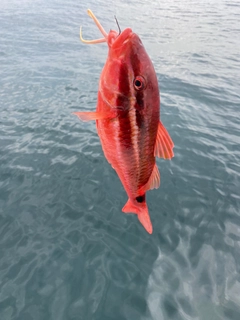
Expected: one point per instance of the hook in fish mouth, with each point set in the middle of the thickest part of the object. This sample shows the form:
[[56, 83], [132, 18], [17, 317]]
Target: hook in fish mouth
[[118, 26]]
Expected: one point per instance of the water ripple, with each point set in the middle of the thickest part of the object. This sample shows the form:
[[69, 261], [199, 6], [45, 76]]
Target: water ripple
[[67, 250]]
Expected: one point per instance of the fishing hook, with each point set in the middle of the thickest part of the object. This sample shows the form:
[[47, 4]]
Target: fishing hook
[[118, 25]]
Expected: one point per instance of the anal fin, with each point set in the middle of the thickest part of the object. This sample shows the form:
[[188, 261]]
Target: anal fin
[[164, 144]]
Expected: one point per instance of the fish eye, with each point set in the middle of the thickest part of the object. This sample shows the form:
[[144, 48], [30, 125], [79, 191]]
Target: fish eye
[[139, 83]]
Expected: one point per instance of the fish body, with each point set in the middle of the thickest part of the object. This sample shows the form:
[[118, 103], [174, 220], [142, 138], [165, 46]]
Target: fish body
[[127, 118]]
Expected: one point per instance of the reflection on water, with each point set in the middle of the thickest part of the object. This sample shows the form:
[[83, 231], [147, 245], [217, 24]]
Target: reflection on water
[[67, 251]]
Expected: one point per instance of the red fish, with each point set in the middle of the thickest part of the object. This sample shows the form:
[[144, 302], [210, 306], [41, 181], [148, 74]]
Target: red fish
[[127, 118]]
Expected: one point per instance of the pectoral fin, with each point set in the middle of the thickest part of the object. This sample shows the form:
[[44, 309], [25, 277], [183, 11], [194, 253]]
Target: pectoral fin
[[88, 116], [164, 145]]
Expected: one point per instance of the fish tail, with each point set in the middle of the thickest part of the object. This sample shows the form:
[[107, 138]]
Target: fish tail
[[144, 218], [142, 212]]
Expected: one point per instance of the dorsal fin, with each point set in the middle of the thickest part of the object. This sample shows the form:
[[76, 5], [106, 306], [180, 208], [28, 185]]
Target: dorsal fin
[[153, 182]]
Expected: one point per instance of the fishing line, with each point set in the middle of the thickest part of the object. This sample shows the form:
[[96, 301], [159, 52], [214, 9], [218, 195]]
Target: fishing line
[[118, 25]]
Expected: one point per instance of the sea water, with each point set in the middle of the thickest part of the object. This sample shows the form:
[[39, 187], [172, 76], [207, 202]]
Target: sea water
[[67, 252]]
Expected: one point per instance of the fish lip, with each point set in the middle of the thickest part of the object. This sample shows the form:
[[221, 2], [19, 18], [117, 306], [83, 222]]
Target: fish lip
[[123, 38]]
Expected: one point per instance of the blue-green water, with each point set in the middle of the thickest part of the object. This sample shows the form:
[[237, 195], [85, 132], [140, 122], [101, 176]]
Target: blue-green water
[[66, 249]]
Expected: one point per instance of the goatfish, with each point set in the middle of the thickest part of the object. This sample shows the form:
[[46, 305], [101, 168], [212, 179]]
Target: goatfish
[[128, 117]]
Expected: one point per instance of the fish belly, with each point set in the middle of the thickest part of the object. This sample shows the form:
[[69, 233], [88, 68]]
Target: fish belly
[[129, 151]]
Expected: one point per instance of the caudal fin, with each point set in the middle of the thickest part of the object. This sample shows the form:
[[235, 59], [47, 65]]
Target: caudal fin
[[142, 213], [144, 218]]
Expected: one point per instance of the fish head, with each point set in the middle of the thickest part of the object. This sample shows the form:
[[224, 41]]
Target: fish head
[[126, 49], [128, 79]]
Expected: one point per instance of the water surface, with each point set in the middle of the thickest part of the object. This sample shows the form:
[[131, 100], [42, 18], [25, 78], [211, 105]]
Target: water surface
[[67, 251]]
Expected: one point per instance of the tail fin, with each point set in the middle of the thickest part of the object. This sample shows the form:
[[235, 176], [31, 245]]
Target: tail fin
[[144, 218], [141, 210]]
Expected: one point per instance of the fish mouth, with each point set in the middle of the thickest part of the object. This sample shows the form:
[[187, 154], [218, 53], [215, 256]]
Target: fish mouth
[[114, 40], [123, 38]]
